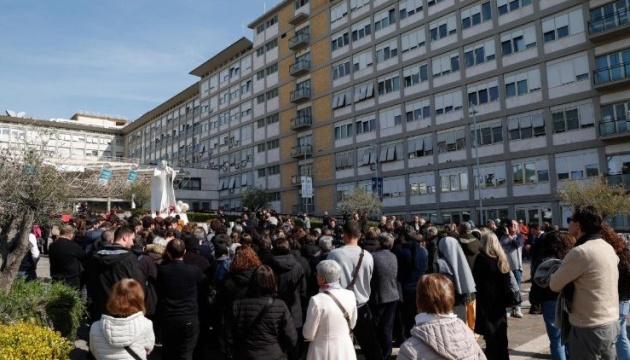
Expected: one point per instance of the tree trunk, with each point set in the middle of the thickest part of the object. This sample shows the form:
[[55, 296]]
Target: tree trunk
[[13, 246]]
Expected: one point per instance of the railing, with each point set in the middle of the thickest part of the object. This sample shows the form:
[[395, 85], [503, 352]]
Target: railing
[[301, 121], [611, 74], [302, 93], [610, 22], [616, 126], [298, 40], [299, 66], [302, 150]]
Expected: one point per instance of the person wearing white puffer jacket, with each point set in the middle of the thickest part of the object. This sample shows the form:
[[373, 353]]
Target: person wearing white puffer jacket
[[124, 331]]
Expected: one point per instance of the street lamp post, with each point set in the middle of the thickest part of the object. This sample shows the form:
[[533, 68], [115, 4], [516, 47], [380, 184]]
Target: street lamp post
[[473, 112]]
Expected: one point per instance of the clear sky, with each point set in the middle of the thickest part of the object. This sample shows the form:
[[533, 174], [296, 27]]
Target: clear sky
[[114, 57]]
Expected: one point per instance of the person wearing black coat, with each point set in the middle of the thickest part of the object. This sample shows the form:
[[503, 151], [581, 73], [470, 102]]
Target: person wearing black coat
[[109, 265], [261, 326], [65, 257], [291, 280], [491, 321], [178, 284]]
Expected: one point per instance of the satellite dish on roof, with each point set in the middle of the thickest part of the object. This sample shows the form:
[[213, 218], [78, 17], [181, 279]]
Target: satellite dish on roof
[[10, 113], [21, 114]]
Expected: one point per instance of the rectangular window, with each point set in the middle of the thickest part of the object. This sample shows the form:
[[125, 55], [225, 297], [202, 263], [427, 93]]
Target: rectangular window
[[418, 110], [568, 70], [390, 117], [563, 25], [453, 180], [451, 141], [361, 29], [415, 74], [419, 146], [271, 69], [338, 12], [612, 67], [577, 165], [521, 127], [386, 50], [476, 14], [299, 3], [447, 102], [363, 92], [408, 8], [273, 144], [443, 27], [394, 187], [271, 45], [342, 99], [362, 61], [384, 19], [506, 6], [413, 39], [365, 124], [519, 40], [341, 69], [357, 4], [483, 93], [343, 131], [522, 83], [422, 183], [488, 133], [340, 40], [388, 84], [479, 53], [492, 176], [573, 116], [445, 64], [344, 160]]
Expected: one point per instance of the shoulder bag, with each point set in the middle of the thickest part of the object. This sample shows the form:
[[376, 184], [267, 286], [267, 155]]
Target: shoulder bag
[[343, 310]]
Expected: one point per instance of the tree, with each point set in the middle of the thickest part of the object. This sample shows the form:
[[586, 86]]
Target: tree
[[255, 198], [361, 202], [608, 199], [141, 191], [30, 188]]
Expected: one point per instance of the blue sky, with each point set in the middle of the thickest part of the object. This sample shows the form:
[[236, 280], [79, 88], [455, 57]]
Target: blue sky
[[115, 57]]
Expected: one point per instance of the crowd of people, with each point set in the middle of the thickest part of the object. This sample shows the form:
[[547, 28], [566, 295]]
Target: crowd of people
[[262, 287]]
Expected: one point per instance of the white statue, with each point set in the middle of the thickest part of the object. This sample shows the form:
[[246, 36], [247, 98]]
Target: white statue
[[162, 192]]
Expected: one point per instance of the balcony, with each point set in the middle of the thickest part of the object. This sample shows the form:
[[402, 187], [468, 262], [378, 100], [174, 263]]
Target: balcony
[[619, 179], [298, 18], [302, 122], [302, 151], [612, 77], [299, 67], [610, 27], [301, 95], [299, 41], [614, 130]]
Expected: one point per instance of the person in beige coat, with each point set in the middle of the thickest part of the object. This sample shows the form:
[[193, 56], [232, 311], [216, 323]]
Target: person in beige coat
[[330, 317], [438, 333]]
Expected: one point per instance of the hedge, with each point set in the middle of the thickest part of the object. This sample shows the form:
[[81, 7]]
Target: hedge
[[28, 341], [54, 305]]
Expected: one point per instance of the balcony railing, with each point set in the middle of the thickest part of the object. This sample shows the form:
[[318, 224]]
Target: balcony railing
[[301, 94], [302, 151], [299, 40], [299, 67], [301, 122], [617, 126], [612, 74], [610, 23]]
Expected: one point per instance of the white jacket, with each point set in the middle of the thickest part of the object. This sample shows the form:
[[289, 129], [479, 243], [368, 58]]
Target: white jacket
[[110, 335], [326, 327]]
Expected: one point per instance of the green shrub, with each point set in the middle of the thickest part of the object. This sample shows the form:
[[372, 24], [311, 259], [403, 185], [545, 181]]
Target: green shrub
[[29, 341], [55, 305]]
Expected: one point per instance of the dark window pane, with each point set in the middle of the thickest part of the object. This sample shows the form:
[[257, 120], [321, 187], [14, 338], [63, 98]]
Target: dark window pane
[[549, 36], [472, 98], [506, 47], [476, 19], [469, 58], [510, 90], [486, 11], [466, 22], [522, 87], [503, 9], [563, 31], [483, 96], [455, 63], [514, 4], [494, 93], [479, 55]]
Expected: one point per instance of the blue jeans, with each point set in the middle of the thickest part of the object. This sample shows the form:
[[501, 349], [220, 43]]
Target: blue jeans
[[555, 345], [623, 345], [518, 275]]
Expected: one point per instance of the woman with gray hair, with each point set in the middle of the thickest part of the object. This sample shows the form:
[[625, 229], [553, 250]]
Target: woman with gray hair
[[330, 317]]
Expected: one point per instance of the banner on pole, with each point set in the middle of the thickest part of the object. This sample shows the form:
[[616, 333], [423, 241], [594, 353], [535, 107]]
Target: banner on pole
[[307, 187], [106, 174]]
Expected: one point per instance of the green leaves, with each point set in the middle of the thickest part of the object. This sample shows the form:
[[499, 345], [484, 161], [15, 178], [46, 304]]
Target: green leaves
[[608, 199]]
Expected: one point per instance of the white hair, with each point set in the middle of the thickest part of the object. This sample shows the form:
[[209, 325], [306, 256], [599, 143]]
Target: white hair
[[326, 243], [330, 270]]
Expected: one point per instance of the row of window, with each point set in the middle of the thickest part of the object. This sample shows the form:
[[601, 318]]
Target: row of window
[[559, 72]]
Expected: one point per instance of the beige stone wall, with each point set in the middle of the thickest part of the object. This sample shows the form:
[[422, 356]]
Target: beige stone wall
[[324, 198]]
